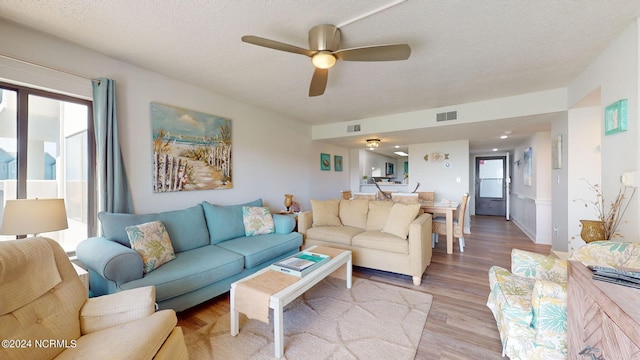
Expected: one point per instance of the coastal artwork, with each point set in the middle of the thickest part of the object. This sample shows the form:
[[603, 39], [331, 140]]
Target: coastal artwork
[[191, 150]]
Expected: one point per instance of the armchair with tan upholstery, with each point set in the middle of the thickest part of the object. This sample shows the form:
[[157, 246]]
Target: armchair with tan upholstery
[[45, 312]]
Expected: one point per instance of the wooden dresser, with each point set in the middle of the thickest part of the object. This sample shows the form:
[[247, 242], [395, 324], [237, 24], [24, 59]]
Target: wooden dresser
[[601, 315]]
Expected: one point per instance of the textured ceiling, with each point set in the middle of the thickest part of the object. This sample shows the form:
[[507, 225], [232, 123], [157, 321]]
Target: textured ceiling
[[462, 51]]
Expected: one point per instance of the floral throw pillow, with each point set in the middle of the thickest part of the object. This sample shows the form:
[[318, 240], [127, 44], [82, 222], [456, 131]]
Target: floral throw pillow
[[257, 221], [151, 241]]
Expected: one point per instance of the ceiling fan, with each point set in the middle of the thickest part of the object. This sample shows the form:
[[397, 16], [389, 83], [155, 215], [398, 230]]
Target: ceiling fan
[[324, 50]]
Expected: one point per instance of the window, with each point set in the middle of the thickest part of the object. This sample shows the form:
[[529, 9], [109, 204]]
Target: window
[[47, 151]]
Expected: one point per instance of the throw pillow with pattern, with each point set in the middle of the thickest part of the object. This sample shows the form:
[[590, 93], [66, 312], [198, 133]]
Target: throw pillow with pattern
[[257, 221], [151, 240]]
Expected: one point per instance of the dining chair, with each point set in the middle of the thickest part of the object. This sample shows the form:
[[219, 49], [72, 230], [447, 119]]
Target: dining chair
[[439, 226], [405, 198], [384, 195], [346, 194], [426, 195], [368, 196]]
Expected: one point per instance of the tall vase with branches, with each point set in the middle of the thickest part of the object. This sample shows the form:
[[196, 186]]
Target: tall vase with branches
[[610, 214]]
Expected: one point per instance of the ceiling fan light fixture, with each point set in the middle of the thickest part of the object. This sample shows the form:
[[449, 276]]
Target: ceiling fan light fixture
[[372, 143], [323, 60]]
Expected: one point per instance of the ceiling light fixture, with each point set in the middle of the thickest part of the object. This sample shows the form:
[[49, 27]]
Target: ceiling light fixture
[[372, 143], [504, 136], [401, 153], [323, 60]]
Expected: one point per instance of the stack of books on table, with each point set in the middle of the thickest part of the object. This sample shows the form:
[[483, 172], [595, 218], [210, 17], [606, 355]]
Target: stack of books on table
[[620, 276], [301, 263]]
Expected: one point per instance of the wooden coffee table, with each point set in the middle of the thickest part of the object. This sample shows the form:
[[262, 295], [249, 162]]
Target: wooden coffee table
[[279, 300]]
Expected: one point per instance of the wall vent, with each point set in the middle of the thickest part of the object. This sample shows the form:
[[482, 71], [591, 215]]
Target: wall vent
[[353, 128], [446, 116]]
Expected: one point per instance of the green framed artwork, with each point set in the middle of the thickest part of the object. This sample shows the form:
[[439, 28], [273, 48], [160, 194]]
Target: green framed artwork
[[337, 163], [325, 162], [615, 117]]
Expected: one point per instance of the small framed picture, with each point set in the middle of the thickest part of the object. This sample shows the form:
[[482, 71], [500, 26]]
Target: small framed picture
[[615, 117], [337, 163], [325, 162]]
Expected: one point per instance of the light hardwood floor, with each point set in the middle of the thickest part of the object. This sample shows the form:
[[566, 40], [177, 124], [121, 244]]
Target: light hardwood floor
[[459, 326]]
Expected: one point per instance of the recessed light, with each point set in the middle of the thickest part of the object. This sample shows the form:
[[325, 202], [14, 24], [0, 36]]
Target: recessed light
[[495, 149], [397, 146], [401, 153], [504, 136]]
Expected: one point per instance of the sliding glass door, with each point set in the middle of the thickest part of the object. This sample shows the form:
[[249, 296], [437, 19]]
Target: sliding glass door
[[47, 151]]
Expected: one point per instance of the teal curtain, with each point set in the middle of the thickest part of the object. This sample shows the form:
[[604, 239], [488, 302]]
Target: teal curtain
[[113, 195]]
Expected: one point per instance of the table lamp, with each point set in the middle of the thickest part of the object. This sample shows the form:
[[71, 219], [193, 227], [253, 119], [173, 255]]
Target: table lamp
[[33, 216]]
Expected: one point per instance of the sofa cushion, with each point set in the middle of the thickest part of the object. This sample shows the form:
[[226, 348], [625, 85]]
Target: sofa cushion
[[549, 303], [191, 270], [186, 227], [151, 240], [378, 214], [334, 234], [381, 241], [354, 212], [512, 295], [114, 224], [258, 249], [257, 221], [225, 222], [400, 217], [609, 253], [326, 212]]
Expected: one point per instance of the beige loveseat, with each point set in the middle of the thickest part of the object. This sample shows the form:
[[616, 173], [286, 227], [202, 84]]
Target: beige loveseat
[[382, 235]]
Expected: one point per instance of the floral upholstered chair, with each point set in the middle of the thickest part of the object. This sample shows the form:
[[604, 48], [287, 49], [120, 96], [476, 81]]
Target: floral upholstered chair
[[529, 302]]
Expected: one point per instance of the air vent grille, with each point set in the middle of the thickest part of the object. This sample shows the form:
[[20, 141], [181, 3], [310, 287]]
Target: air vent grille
[[446, 116], [353, 128]]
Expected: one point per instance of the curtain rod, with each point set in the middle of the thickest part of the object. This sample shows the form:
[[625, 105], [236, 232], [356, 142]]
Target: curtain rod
[[46, 67]]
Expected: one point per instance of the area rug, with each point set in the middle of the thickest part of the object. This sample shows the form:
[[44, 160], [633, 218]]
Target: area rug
[[369, 321]]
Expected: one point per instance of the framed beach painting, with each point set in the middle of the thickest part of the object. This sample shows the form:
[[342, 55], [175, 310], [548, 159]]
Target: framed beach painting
[[191, 150]]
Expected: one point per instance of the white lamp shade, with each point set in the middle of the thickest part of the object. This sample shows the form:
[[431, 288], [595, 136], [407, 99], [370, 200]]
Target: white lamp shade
[[33, 216]]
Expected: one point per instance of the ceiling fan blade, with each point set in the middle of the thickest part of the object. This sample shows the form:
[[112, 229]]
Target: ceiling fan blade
[[318, 82], [375, 53], [272, 44]]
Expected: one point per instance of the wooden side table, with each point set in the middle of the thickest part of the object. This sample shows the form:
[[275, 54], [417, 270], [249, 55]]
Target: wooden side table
[[603, 319]]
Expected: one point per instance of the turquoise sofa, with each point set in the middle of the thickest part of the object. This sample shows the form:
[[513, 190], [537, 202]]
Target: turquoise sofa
[[211, 250]]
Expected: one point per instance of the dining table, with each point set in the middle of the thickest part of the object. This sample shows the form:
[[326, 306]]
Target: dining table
[[448, 208]]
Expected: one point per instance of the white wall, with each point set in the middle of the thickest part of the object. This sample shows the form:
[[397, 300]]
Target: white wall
[[584, 166], [531, 204], [560, 185], [448, 182], [615, 72], [542, 102], [272, 154]]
